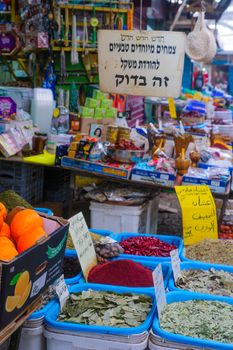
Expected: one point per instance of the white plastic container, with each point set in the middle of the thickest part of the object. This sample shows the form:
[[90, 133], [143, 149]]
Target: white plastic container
[[42, 107], [121, 218], [157, 343], [32, 339], [92, 341]]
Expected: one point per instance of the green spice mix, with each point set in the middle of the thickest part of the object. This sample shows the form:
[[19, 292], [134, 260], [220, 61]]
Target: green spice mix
[[106, 309], [211, 281], [212, 251], [209, 320]]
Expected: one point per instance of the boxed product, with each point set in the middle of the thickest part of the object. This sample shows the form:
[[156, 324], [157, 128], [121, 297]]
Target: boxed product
[[122, 171], [92, 102], [216, 178], [32, 271], [87, 112], [146, 173], [106, 103]]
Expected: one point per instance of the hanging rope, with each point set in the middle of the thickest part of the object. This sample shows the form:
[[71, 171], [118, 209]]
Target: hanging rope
[[140, 23]]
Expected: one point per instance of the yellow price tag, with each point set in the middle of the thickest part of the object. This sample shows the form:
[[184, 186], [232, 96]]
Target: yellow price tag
[[172, 108], [198, 213]]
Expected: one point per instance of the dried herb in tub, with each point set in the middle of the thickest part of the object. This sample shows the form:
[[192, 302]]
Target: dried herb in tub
[[211, 281], [106, 309], [215, 251], [203, 319]]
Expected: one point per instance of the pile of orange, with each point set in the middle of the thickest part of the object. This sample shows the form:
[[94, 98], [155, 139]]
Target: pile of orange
[[19, 231]]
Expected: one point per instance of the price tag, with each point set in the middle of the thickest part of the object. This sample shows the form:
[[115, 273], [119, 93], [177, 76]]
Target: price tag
[[175, 260], [160, 294], [83, 243], [62, 291], [172, 108], [198, 213]]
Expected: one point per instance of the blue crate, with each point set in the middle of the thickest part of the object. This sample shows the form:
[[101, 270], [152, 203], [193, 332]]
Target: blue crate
[[42, 312], [74, 280], [44, 211], [166, 269], [51, 315], [175, 297], [198, 266], [178, 242], [98, 232]]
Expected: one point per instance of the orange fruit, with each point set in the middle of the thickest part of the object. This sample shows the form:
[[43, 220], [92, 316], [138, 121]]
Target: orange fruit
[[7, 249], [3, 210], [1, 221], [5, 231], [24, 296], [24, 221], [23, 281], [11, 303], [12, 214], [30, 238]]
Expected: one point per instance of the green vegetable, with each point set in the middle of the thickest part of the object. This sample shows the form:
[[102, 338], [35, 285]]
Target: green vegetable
[[11, 200], [106, 309], [211, 320]]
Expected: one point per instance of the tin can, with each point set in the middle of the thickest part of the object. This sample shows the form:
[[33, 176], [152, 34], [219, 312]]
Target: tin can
[[112, 134], [123, 133]]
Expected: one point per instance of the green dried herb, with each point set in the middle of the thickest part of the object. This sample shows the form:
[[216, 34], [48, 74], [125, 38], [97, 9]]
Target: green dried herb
[[212, 251], [211, 281], [210, 320], [106, 309]]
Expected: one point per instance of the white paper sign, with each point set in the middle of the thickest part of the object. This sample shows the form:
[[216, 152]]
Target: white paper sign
[[175, 260], [141, 63], [62, 291], [83, 243], [160, 294]]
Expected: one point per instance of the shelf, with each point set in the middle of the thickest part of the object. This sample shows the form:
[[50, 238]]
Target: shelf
[[79, 49], [91, 8]]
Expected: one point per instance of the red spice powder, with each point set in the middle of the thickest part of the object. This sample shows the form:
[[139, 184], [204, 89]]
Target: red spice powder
[[121, 273]]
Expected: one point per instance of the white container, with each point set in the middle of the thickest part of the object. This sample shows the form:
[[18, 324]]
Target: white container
[[157, 343], [86, 341], [122, 218], [42, 107], [32, 339]]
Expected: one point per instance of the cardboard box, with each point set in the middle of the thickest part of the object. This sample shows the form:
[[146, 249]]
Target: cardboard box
[[123, 171], [147, 174], [215, 185], [43, 262]]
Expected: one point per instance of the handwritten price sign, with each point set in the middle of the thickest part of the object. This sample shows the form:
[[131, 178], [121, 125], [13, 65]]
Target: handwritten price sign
[[198, 213], [83, 243], [141, 63]]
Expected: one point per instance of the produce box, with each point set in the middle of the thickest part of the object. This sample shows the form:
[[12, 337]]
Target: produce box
[[31, 272], [121, 171], [143, 172]]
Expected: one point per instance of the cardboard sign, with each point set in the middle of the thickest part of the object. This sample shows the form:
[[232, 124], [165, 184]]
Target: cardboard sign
[[198, 213], [159, 288], [175, 261], [172, 108], [141, 63], [62, 291], [83, 243]]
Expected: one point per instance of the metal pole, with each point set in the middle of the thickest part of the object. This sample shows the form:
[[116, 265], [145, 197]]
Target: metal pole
[[178, 14]]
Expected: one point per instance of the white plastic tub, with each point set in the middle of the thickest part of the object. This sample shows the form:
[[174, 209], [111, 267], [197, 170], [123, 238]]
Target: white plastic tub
[[32, 339], [93, 341], [123, 218], [157, 343]]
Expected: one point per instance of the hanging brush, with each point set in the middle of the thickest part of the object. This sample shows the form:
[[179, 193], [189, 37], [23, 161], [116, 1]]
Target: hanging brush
[[74, 53], [63, 65]]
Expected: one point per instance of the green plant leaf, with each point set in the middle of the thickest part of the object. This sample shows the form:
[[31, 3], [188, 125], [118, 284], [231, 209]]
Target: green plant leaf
[[15, 279]]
